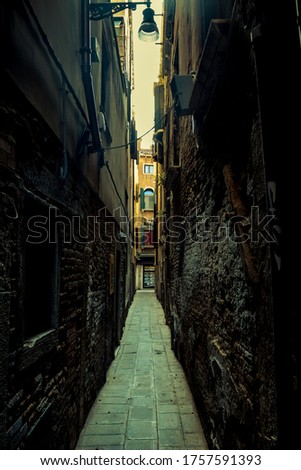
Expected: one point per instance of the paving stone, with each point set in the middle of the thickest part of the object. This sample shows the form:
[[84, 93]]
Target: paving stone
[[195, 440], [143, 380], [107, 408], [169, 421], [167, 408], [190, 423], [110, 447], [171, 448], [187, 408], [144, 401], [109, 418], [126, 364], [141, 430], [106, 429], [130, 348], [142, 413], [142, 444], [106, 398], [118, 391], [142, 392], [165, 397], [170, 438], [106, 440]]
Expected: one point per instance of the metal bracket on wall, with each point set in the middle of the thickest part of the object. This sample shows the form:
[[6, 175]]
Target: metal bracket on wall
[[99, 11]]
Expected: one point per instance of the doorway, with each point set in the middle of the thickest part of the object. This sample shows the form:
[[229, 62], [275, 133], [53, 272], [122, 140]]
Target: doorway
[[148, 277]]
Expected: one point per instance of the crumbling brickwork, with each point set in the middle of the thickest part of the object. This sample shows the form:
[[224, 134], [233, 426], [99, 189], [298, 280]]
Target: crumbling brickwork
[[50, 379], [222, 243]]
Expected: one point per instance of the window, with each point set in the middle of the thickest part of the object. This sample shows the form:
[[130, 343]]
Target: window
[[147, 199], [105, 78], [40, 275], [149, 276], [147, 237], [121, 40], [176, 66], [105, 88], [148, 169], [159, 106]]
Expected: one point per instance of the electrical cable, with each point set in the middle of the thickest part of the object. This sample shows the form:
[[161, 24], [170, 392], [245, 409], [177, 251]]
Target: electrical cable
[[116, 190], [143, 135], [126, 145]]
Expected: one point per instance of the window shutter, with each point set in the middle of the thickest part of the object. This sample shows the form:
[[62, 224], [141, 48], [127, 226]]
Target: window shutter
[[142, 237], [159, 106], [133, 141], [151, 237], [142, 203]]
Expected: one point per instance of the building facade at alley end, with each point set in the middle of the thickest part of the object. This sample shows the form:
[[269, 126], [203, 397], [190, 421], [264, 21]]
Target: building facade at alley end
[[227, 114], [144, 212]]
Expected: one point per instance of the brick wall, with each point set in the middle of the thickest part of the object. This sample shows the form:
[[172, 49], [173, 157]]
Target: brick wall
[[219, 289], [49, 382]]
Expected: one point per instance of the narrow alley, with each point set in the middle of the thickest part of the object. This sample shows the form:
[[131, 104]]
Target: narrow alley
[[146, 402], [148, 242]]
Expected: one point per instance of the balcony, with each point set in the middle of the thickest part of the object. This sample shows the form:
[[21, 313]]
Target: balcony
[[210, 69]]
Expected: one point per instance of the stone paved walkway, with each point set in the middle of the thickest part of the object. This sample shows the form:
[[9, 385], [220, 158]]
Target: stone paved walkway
[[146, 402]]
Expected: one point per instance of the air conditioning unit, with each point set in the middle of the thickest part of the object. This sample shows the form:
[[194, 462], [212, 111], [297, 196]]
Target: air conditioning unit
[[181, 88], [172, 176]]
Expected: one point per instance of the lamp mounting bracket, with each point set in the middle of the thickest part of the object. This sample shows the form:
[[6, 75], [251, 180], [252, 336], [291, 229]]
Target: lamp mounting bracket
[[99, 11]]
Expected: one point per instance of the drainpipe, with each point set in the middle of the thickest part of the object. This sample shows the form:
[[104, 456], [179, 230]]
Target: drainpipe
[[86, 68], [64, 166]]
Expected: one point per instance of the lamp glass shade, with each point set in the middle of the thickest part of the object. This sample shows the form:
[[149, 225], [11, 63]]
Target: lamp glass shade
[[148, 30]]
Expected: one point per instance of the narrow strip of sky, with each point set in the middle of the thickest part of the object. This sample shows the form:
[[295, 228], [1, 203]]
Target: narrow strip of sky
[[146, 72]]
